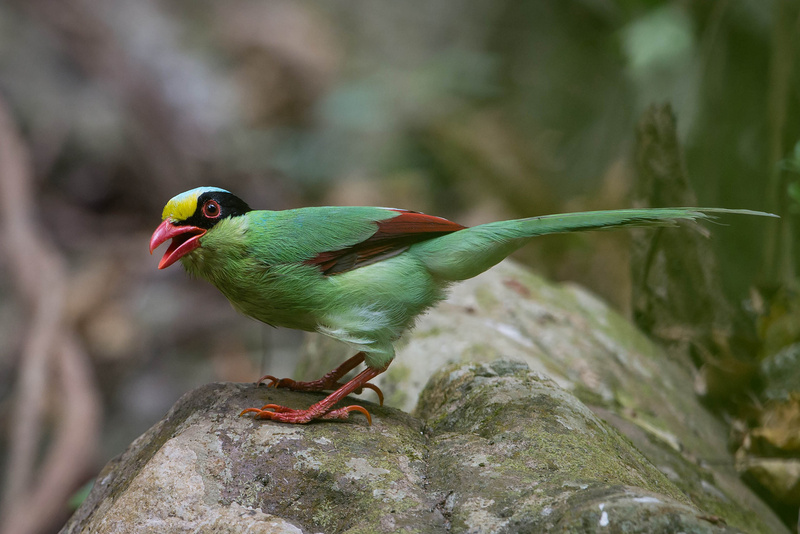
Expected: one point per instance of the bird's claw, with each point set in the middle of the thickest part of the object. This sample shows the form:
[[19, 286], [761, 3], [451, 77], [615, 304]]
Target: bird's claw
[[276, 412], [374, 388], [316, 385], [344, 413], [275, 382]]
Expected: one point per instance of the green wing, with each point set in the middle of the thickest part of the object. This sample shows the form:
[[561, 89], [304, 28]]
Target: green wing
[[339, 239]]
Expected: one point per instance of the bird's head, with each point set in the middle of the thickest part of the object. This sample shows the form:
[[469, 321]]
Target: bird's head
[[187, 218]]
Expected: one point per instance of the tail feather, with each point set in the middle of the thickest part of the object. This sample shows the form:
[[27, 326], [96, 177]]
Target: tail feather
[[469, 252]]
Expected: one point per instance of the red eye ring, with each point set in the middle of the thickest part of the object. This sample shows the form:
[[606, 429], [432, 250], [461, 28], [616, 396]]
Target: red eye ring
[[211, 209]]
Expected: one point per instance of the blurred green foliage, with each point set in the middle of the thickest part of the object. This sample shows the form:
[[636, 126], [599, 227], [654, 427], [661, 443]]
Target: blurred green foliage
[[792, 166]]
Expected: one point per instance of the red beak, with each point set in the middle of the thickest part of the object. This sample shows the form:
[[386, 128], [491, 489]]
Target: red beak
[[184, 240]]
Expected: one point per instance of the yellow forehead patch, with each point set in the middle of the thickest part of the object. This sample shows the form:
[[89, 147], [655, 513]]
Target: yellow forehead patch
[[183, 206]]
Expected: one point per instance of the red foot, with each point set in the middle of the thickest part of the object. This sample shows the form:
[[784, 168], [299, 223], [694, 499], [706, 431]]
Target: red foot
[[323, 409], [329, 382], [321, 384], [275, 412]]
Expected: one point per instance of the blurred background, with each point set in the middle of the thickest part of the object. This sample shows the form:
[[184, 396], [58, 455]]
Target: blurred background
[[475, 111]]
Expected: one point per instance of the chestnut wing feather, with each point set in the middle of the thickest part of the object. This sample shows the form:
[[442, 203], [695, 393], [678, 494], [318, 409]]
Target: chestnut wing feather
[[392, 237]]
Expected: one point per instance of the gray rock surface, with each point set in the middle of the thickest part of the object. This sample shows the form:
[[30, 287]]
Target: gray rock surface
[[505, 450], [495, 444]]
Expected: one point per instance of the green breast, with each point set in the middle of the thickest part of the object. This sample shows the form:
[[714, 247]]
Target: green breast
[[263, 286]]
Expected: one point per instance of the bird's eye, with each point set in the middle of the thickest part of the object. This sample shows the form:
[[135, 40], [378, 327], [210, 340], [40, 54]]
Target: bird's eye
[[211, 209]]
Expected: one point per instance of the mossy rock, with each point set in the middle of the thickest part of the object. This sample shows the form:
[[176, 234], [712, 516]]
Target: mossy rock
[[539, 410]]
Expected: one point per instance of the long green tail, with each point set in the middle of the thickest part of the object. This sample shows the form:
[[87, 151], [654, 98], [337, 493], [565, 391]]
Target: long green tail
[[469, 252]]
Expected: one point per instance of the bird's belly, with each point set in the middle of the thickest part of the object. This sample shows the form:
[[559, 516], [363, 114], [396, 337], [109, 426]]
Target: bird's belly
[[289, 305], [279, 295], [369, 306], [284, 314], [376, 303]]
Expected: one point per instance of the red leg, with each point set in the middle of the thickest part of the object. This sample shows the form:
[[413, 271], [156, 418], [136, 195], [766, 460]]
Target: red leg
[[328, 382], [321, 409]]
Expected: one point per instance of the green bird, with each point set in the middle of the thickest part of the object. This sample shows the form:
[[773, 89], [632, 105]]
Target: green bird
[[357, 274]]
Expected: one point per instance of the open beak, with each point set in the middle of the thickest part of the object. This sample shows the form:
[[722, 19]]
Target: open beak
[[184, 240]]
